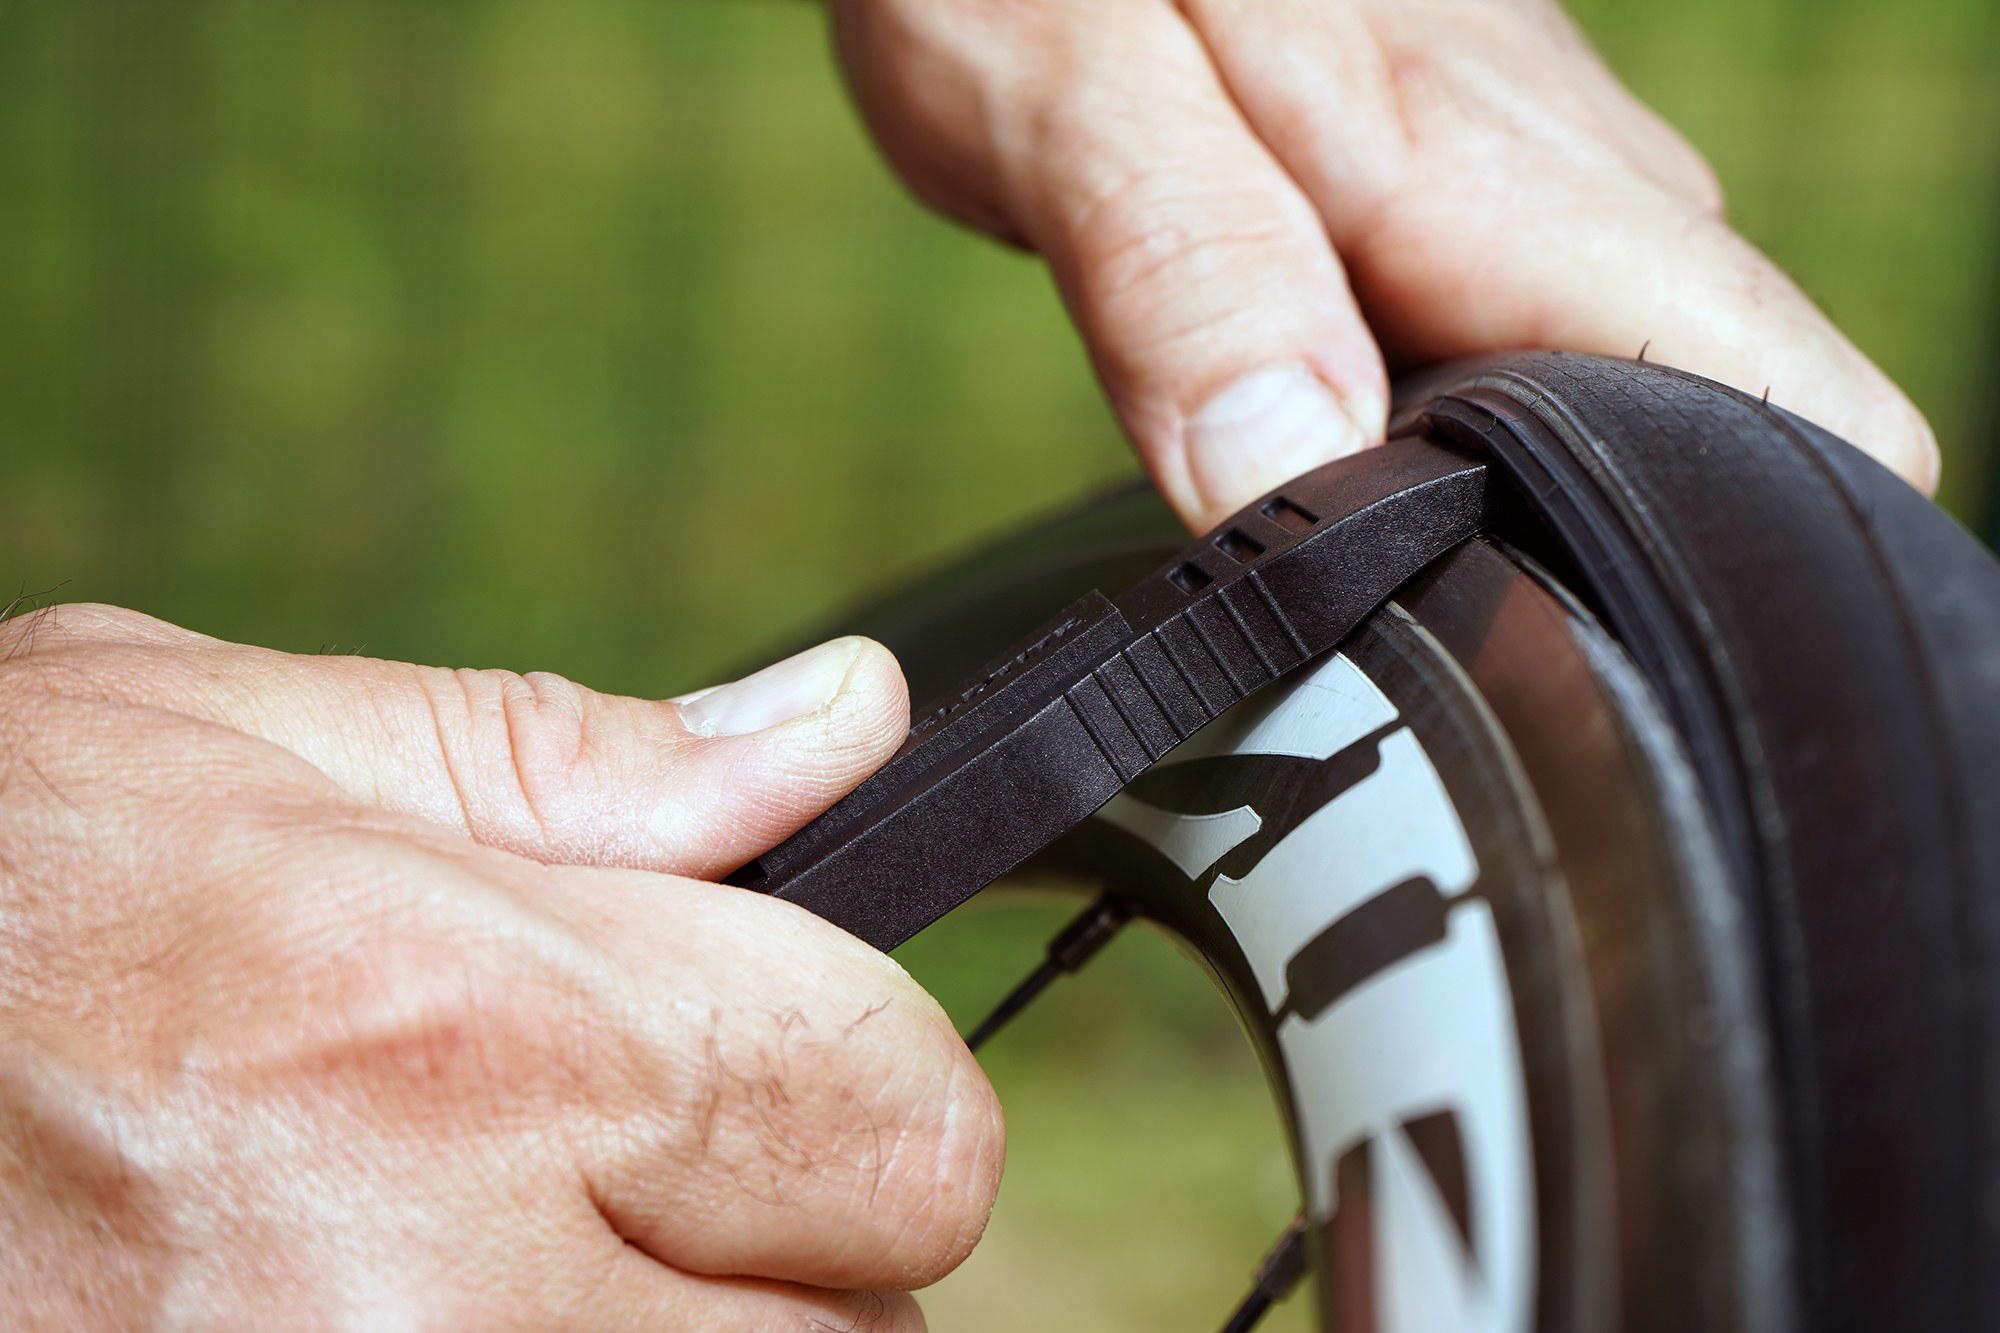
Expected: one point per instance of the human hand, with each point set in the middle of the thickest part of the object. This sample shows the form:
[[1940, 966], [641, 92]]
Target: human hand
[[1247, 203], [338, 992]]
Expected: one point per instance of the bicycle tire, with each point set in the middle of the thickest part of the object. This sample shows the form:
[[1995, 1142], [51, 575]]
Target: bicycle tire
[[1820, 650]]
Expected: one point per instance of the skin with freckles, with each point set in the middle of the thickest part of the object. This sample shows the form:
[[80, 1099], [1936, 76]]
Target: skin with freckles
[[1254, 207], [337, 992]]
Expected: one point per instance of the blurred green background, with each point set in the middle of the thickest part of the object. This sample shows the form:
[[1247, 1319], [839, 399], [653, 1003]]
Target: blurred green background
[[591, 337]]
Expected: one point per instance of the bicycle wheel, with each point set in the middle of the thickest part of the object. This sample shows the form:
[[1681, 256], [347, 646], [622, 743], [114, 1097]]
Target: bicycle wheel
[[1615, 911]]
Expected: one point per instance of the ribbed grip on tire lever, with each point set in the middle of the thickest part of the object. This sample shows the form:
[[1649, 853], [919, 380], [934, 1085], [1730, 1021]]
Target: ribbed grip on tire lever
[[1048, 734]]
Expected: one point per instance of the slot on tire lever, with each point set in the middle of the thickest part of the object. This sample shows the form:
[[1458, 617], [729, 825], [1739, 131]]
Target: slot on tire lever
[[1052, 731]]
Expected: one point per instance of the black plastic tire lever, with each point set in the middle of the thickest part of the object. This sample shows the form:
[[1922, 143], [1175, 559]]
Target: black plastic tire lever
[[1050, 733]]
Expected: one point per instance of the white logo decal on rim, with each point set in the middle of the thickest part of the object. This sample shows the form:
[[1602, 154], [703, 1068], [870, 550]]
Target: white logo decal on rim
[[1418, 1050]]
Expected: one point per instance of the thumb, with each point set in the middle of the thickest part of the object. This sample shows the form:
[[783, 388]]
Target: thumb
[[536, 763], [543, 766]]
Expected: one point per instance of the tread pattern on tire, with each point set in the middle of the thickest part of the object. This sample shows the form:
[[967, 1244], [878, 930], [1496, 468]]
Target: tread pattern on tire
[[1846, 637]]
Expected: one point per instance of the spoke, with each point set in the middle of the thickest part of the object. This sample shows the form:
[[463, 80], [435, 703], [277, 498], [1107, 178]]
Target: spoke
[[1276, 1276], [1076, 945]]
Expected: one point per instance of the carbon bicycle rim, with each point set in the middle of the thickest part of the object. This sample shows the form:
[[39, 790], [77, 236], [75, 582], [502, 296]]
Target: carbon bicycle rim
[[1715, 712]]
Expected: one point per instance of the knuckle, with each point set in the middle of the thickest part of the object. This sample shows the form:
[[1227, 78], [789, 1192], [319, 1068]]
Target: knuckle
[[546, 734], [78, 650], [437, 1017], [40, 683], [1159, 232], [1171, 267], [97, 620], [921, 75], [1438, 107], [1145, 222], [512, 746], [45, 629], [414, 930], [19, 636]]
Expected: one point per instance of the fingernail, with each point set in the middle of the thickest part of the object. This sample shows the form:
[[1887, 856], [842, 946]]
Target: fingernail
[[1263, 430], [777, 694]]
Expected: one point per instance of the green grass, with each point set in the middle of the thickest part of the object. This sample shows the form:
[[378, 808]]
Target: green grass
[[592, 337], [1146, 1165]]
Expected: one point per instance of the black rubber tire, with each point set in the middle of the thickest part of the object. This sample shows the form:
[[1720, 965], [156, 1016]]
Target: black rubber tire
[[1826, 644]]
